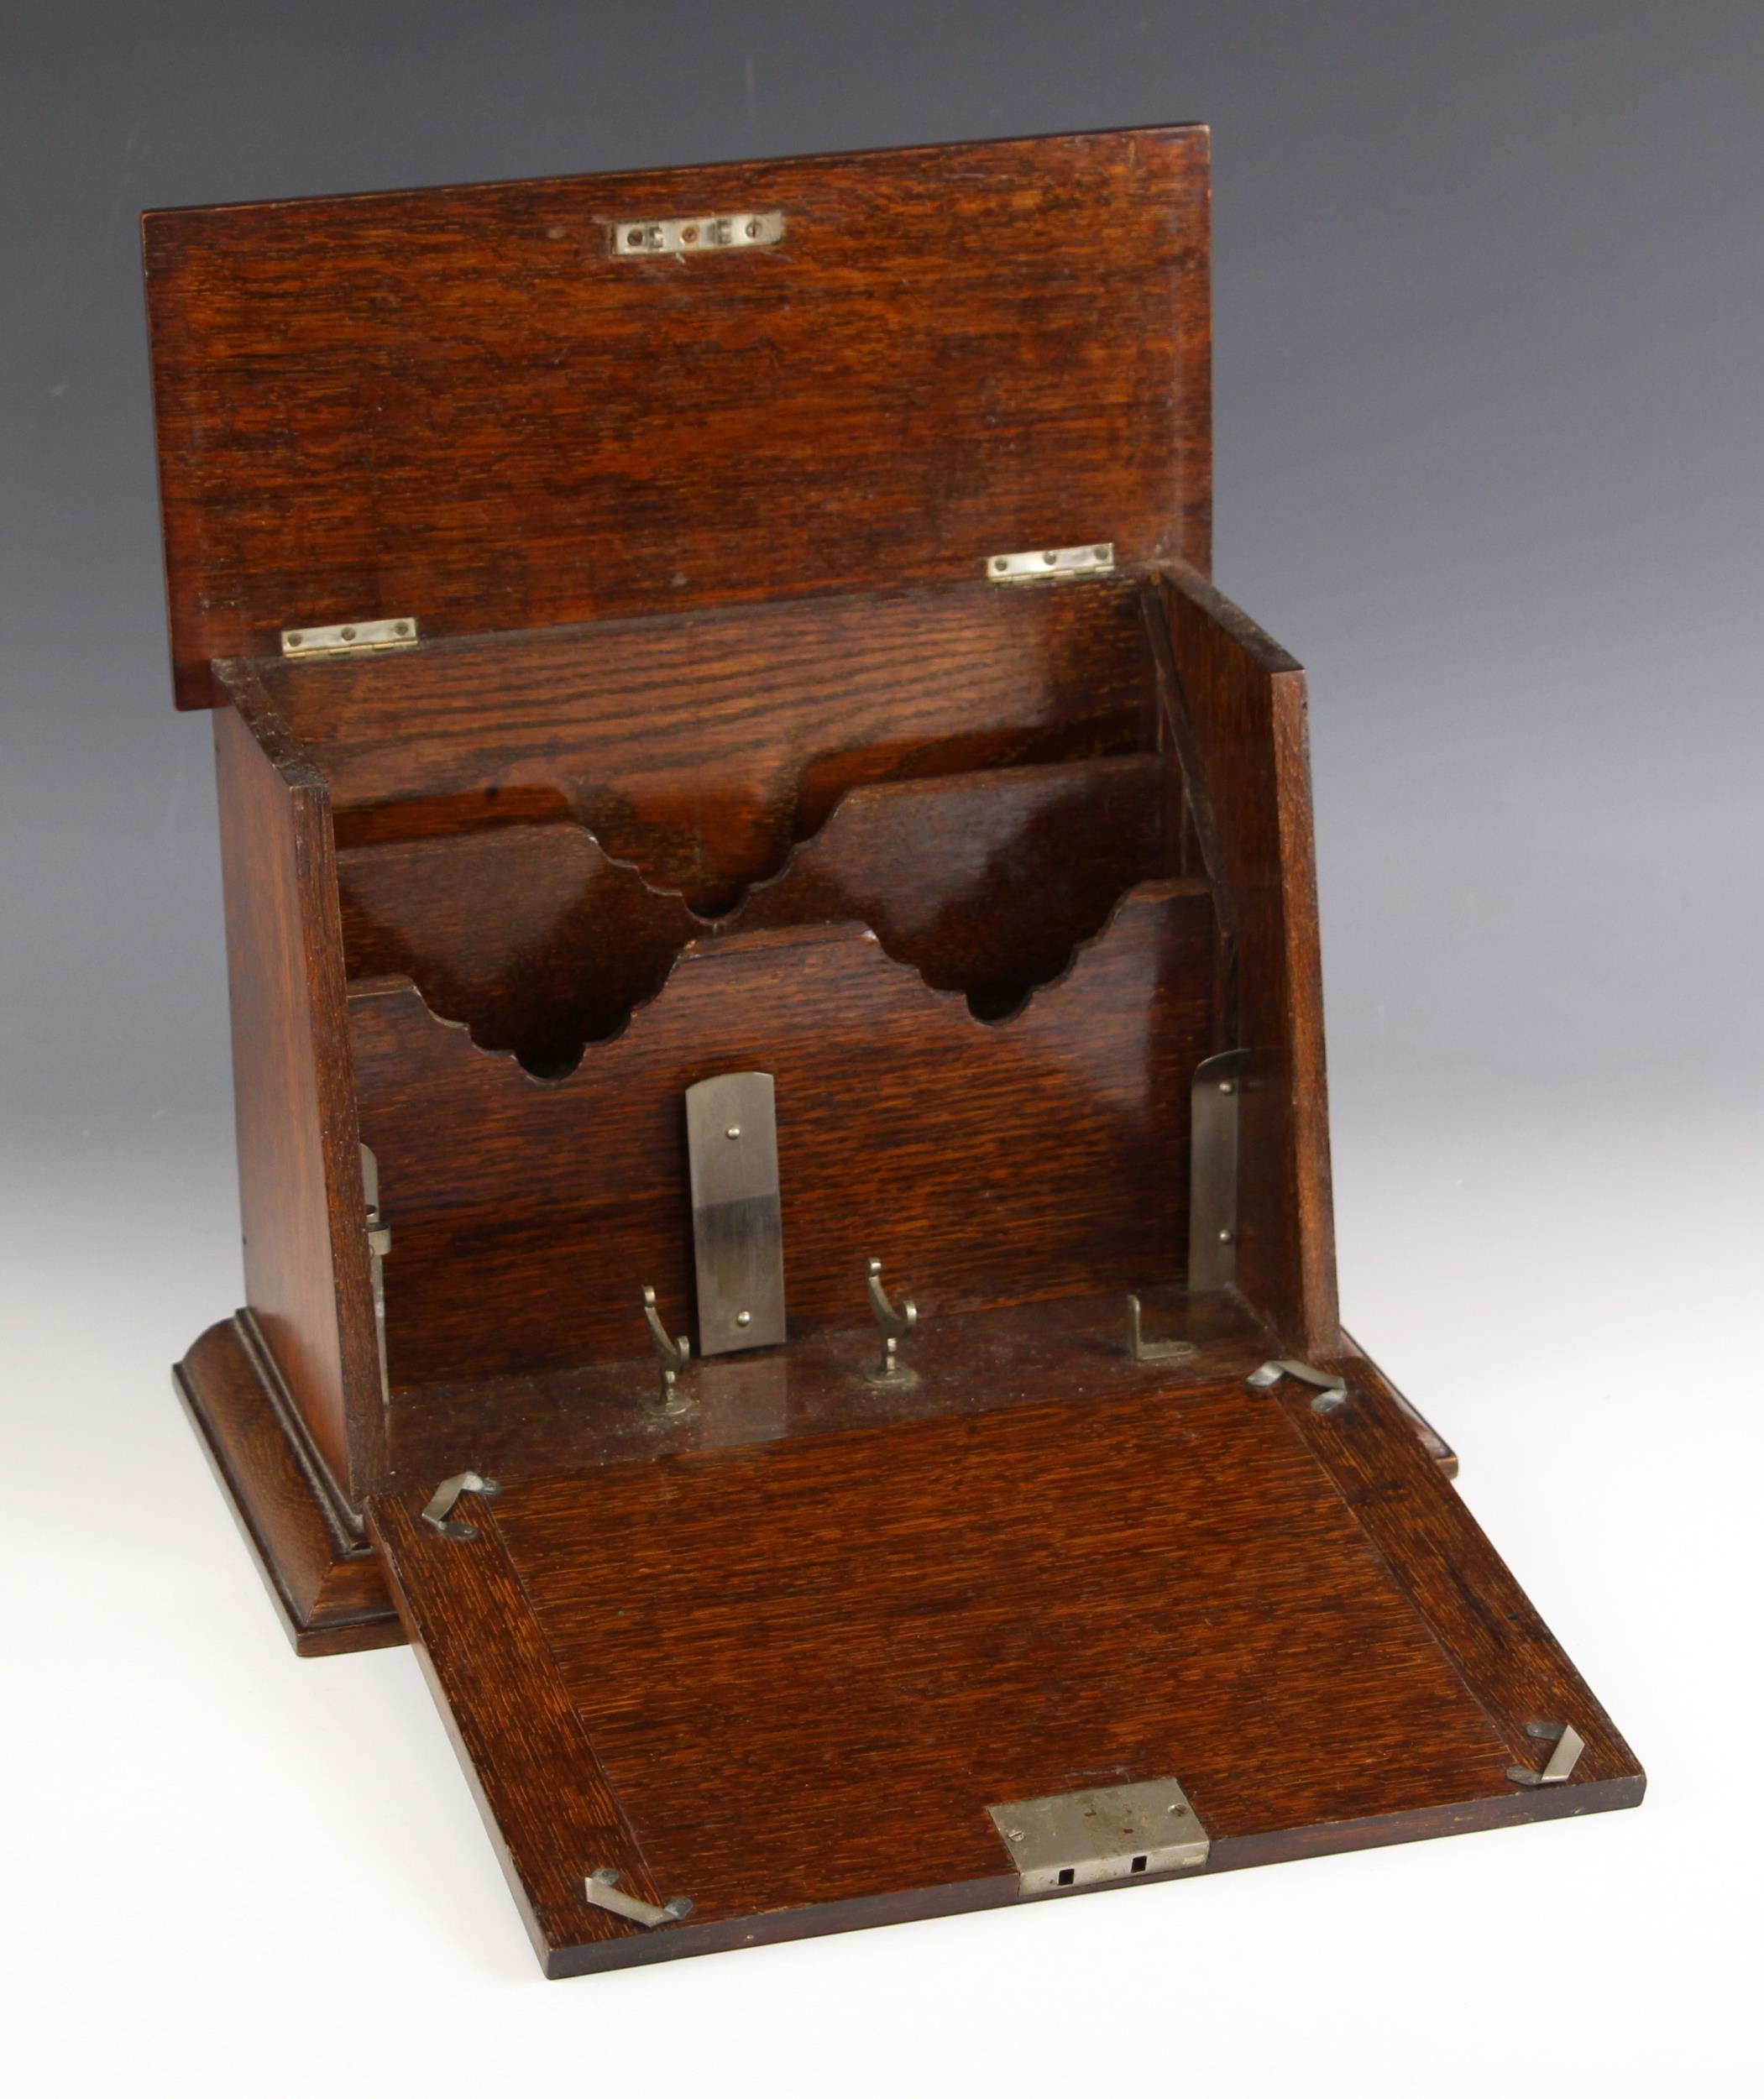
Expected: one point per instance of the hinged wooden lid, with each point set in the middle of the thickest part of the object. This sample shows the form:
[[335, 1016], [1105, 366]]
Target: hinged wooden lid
[[489, 408]]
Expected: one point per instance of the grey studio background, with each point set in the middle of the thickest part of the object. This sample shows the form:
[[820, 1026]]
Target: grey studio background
[[1489, 332]]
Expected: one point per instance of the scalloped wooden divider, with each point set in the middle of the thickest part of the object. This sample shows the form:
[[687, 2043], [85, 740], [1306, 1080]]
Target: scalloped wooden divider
[[529, 935], [985, 1164], [539, 942]]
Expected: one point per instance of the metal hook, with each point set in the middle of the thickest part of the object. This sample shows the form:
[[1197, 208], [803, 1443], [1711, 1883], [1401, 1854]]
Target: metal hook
[[896, 1326], [673, 1356], [1143, 1351]]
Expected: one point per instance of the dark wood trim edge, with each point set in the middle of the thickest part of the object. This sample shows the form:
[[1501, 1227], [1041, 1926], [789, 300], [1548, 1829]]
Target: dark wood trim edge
[[1230, 1855], [319, 1568]]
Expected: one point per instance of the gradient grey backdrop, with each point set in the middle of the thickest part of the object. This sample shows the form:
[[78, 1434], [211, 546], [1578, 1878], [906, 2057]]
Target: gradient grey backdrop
[[1489, 329]]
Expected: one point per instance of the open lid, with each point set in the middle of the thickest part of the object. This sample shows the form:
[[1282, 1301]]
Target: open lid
[[491, 408]]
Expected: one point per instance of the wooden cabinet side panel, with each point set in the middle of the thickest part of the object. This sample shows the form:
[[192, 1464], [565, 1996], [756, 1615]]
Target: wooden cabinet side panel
[[300, 1197], [1244, 698]]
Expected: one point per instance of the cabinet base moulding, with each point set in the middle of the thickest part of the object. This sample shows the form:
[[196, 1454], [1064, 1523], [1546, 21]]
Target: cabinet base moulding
[[328, 1586]]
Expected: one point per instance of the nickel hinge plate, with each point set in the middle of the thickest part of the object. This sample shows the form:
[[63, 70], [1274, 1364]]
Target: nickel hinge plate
[[1044, 564], [360, 637]]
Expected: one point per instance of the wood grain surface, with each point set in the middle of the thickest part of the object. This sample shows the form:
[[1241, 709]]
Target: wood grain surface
[[301, 1198], [459, 405], [1243, 700], [703, 748], [805, 1669]]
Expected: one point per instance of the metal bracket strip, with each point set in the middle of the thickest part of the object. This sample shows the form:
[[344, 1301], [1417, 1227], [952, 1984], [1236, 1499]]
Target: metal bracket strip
[[438, 1511], [1331, 1391], [602, 1888], [1212, 1171], [1563, 1758]]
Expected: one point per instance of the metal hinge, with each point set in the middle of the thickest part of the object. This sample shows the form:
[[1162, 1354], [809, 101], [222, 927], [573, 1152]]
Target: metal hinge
[[1042, 564], [362, 637]]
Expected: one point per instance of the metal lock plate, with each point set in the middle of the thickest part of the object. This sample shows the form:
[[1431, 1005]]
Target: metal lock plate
[[738, 1240], [1114, 1833]]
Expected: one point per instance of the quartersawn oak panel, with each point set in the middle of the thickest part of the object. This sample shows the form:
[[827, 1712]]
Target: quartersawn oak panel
[[702, 749], [457, 404], [1241, 699], [1044, 1156], [300, 1200], [806, 1668], [538, 941]]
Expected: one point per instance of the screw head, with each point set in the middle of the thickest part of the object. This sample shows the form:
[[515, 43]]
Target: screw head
[[1225, 1239], [733, 1131], [294, 640], [1050, 559], [348, 634], [1227, 1086], [744, 1319]]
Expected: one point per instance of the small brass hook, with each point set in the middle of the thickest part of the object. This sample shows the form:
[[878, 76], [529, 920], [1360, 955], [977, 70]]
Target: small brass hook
[[896, 1326], [673, 1355]]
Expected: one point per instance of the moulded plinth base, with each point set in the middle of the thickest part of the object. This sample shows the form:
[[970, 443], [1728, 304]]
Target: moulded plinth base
[[308, 1543]]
